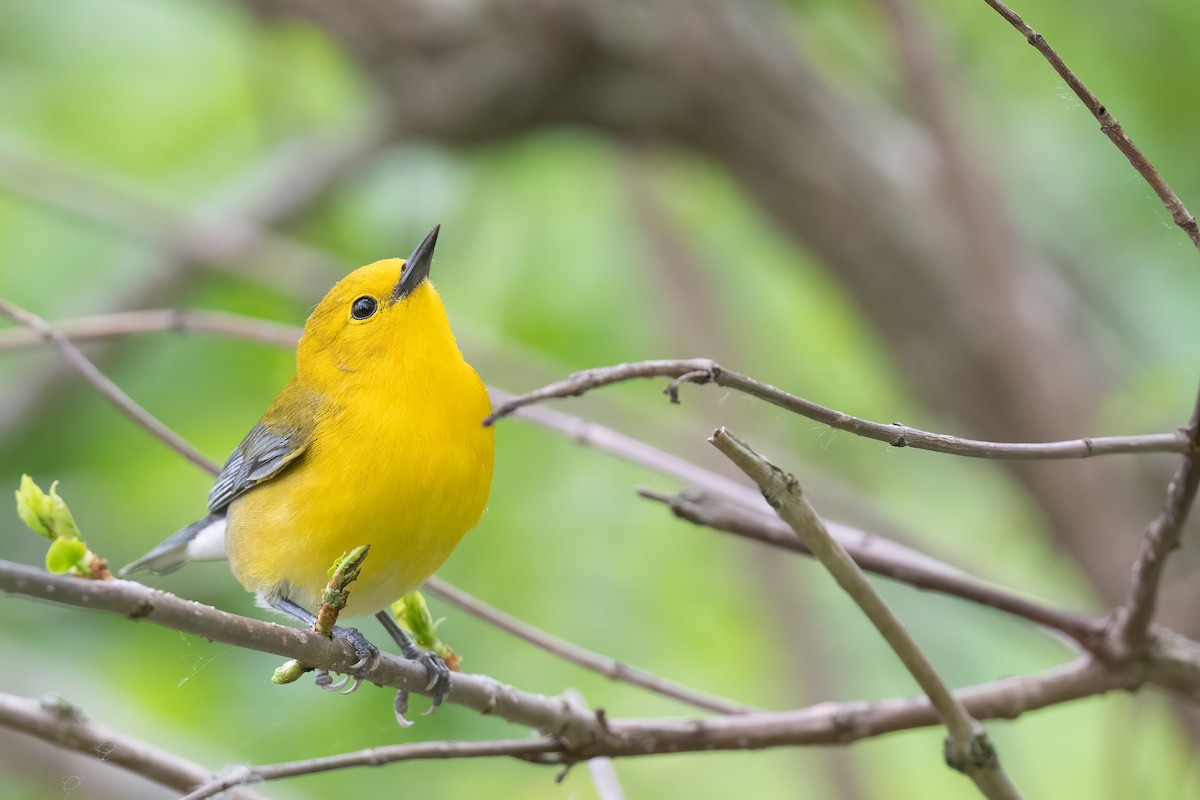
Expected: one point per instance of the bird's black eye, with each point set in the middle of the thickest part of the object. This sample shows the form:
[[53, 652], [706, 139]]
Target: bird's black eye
[[363, 307]]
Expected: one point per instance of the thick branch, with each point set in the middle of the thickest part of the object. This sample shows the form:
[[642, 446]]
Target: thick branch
[[842, 723], [583, 734], [65, 725], [967, 748], [700, 370], [141, 603]]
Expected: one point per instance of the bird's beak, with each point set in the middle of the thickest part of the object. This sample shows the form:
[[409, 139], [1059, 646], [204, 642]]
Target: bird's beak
[[416, 268]]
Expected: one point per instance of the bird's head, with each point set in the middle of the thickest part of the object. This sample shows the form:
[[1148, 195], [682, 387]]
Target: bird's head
[[380, 318]]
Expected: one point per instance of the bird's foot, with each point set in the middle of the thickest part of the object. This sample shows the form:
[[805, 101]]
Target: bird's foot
[[439, 678], [439, 683], [366, 652]]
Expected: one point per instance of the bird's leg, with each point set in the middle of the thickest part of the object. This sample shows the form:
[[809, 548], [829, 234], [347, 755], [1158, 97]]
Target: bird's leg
[[439, 673], [363, 648]]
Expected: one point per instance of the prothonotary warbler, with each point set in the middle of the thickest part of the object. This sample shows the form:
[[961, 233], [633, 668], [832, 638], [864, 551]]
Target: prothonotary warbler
[[378, 440]]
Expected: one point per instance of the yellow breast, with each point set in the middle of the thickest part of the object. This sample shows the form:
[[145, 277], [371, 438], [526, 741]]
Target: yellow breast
[[402, 464]]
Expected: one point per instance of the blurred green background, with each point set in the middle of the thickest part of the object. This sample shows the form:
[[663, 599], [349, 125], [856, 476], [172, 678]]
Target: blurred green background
[[545, 266]]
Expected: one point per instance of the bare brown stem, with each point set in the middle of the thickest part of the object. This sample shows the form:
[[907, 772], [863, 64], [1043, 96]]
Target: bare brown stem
[[700, 370], [175, 320], [103, 384], [1132, 621], [968, 748], [1108, 124]]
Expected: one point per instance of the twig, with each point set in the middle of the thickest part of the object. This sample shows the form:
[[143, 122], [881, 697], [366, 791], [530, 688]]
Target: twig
[[1108, 124], [967, 747], [65, 725], [609, 667], [703, 509], [377, 757], [1174, 661], [1132, 621], [337, 591], [113, 393], [175, 320], [700, 370]]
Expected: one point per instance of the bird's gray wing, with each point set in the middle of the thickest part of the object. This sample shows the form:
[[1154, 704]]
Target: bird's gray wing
[[270, 446], [267, 449]]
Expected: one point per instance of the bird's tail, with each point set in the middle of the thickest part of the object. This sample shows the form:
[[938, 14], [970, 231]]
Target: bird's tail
[[203, 540]]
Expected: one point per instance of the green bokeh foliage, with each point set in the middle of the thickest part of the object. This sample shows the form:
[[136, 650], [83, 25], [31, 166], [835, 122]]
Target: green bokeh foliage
[[544, 271]]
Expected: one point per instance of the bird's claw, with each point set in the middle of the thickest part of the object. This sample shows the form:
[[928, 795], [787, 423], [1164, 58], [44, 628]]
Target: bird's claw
[[438, 686], [401, 708], [324, 680], [363, 648], [439, 679]]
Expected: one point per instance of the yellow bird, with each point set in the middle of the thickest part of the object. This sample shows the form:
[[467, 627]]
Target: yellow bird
[[378, 440]]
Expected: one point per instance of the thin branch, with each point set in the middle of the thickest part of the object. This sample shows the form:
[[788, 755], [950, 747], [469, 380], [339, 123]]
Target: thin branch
[[701, 371], [113, 393], [65, 725], [1108, 124], [175, 320], [1132, 621], [583, 734], [967, 748], [703, 509], [609, 667], [525, 749]]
